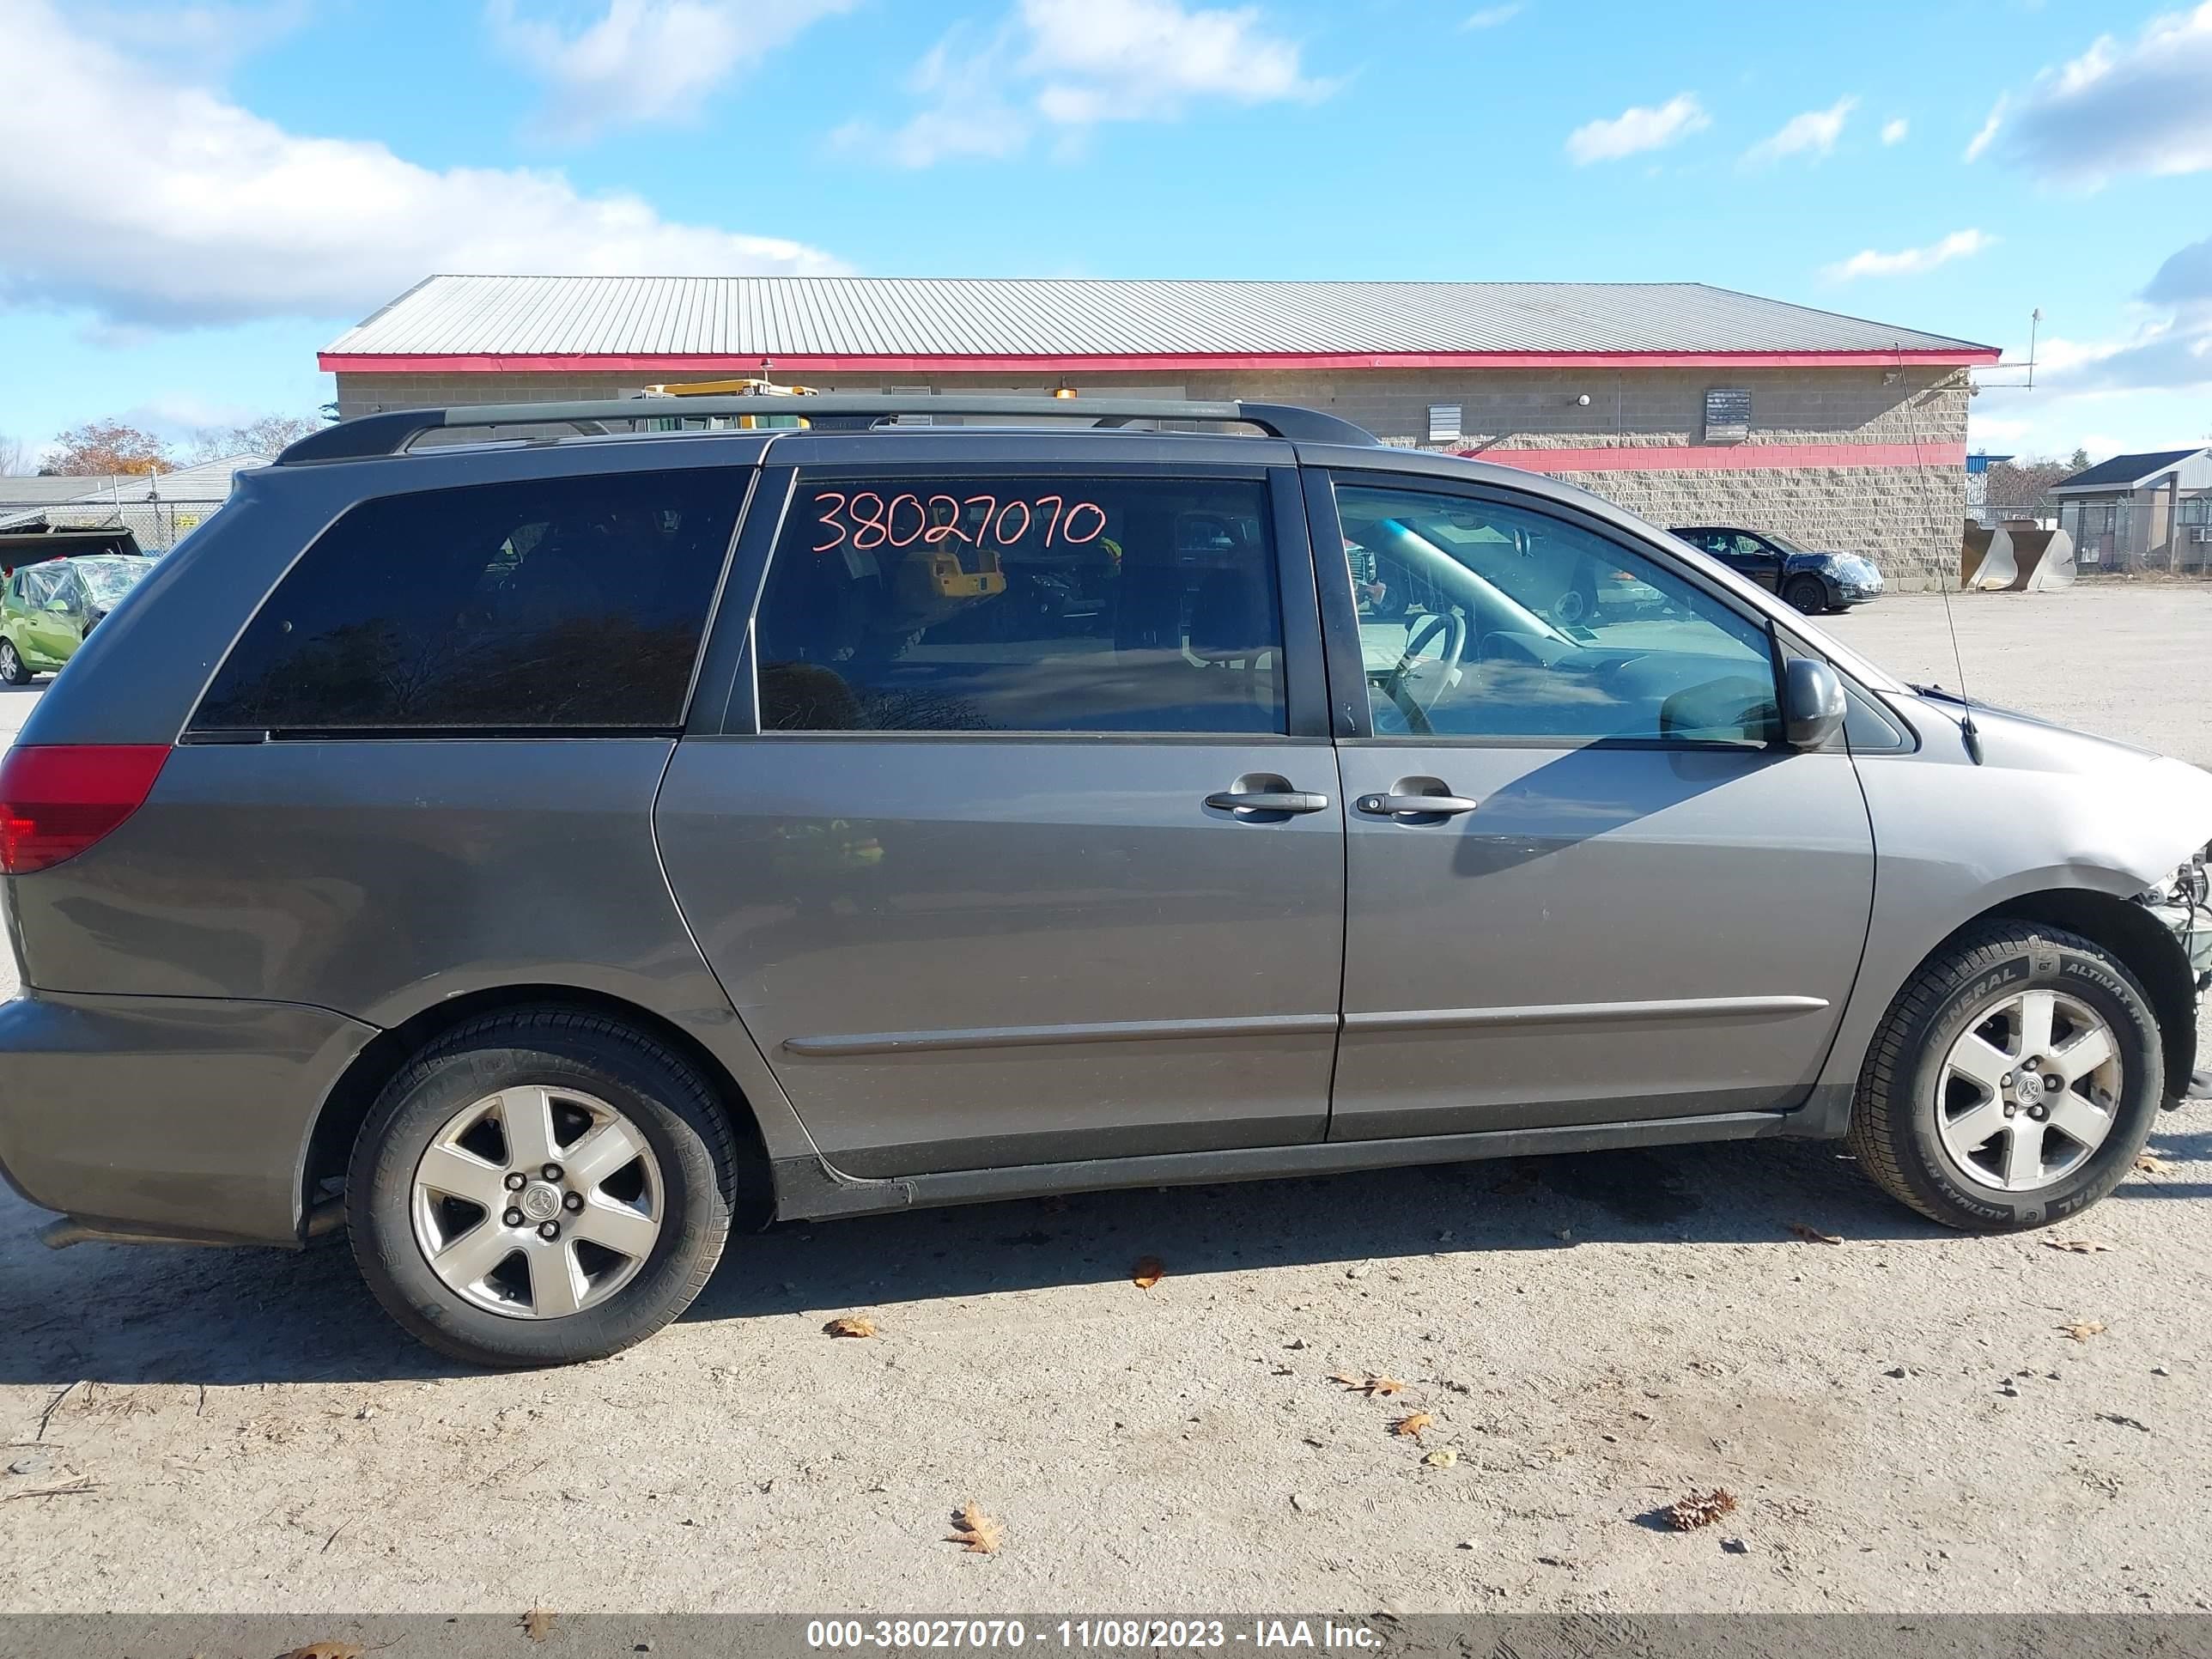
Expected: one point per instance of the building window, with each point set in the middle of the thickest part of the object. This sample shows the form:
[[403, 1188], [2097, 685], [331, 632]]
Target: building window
[[1443, 423], [1728, 414]]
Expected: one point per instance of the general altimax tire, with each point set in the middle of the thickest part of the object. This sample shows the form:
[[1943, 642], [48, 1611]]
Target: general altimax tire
[[448, 1161], [1922, 1085]]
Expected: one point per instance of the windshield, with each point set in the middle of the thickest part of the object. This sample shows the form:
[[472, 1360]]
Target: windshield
[[111, 578], [1783, 544]]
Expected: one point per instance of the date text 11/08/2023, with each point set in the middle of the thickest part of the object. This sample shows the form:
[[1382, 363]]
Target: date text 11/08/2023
[[1130, 1633]]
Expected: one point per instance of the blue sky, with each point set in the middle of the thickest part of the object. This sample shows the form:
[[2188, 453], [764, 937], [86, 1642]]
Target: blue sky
[[198, 197]]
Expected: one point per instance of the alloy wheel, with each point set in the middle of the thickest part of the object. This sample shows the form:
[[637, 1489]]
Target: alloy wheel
[[538, 1202], [2028, 1091]]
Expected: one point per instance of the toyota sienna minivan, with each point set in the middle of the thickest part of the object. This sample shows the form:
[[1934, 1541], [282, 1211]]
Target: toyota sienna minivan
[[532, 845]]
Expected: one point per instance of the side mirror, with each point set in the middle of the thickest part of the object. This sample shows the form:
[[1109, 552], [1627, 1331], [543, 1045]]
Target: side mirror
[[59, 607], [1812, 703]]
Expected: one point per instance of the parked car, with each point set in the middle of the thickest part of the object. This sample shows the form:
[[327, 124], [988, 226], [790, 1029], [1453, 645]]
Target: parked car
[[536, 860], [1812, 582], [47, 609]]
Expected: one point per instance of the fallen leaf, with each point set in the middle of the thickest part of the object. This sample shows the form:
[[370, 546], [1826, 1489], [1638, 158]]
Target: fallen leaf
[[1813, 1235], [537, 1624], [850, 1325], [2124, 1422], [1148, 1272], [1442, 1458], [1413, 1423], [1371, 1384], [1699, 1509], [972, 1530], [2076, 1246], [2084, 1331], [325, 1651], [2150, 1163]]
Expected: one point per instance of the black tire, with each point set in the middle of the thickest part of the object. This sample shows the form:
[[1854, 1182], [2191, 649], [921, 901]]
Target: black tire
[[661, 1095], [1893, 1130], [1808, 594], [13, 669]]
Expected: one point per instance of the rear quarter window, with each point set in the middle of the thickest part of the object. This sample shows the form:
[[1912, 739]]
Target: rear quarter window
[[561, 604]]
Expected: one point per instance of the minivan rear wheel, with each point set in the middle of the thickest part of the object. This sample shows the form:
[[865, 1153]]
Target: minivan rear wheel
[[2012, 1083], [13, 669], [541, 1187]]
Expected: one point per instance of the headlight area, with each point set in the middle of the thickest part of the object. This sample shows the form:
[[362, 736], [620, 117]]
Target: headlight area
[[2183, 904]]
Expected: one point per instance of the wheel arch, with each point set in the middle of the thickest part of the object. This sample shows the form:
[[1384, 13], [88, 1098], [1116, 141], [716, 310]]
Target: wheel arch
[[2146, 950], [330, 1141]]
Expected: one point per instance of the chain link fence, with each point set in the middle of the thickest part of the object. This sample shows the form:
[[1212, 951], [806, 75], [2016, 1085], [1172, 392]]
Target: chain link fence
[[2120, 536], [31, 530]]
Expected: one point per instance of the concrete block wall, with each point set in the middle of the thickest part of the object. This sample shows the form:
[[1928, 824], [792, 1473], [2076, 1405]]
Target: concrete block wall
[[1906, 518]]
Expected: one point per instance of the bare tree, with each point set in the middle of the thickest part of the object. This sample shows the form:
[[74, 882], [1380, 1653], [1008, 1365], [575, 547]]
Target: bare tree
[[14, 457], [268, 436]]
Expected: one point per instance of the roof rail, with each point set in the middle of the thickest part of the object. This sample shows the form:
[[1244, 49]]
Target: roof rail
[[391, 433]]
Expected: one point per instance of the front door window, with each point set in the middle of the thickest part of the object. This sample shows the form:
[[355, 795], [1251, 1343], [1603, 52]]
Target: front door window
[[1480, 619]]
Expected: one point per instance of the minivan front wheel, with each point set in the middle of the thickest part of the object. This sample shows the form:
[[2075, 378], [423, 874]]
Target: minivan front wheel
[[541, 1187], [2012, 1083]]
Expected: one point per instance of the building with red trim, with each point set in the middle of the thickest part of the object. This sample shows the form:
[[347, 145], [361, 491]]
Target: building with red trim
[[1685, 403]]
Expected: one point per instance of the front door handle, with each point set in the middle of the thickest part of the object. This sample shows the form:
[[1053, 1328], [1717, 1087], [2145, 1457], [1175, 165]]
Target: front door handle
[[1268, 800], [1390, 806]]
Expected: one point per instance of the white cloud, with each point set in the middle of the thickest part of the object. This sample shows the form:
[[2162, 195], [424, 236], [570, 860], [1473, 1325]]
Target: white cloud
[[646, 60], [1490, 17], [967, 114], [1907, 261], [1637, 130], [1072, 64], [1986, 134], [151, 201], [1893, 132], [2169, 350], [1815, 132], [1106, 60], [2143, 106]]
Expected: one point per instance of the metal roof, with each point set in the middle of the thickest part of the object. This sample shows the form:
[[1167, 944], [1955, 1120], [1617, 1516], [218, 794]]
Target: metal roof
[[203, 481], [2127, 471], [493, 323]]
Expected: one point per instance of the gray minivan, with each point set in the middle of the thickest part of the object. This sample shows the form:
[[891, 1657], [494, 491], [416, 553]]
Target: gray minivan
[[533, 853]]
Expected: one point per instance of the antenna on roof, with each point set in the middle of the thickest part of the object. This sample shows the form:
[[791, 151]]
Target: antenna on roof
[[2035, 323], [1969, 733]]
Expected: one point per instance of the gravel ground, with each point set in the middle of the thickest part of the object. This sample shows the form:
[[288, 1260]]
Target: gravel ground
[[1899, 1414]]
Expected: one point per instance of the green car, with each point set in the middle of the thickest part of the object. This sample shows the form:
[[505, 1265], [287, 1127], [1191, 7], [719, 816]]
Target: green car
[[48, 609]]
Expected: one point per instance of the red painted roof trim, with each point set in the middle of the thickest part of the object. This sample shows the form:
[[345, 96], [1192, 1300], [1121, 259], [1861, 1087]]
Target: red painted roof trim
[[987, 363], [1721, 458]]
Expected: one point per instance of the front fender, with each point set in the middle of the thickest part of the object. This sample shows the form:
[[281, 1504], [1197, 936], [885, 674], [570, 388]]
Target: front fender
[[2049, 812]]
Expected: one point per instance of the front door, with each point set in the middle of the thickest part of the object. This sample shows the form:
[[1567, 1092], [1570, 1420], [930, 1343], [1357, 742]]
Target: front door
[[1037, 852], [1587, 883], [51, 626]]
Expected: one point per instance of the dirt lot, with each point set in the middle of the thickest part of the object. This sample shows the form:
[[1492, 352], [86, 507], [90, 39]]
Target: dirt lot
[[1903, 1420]]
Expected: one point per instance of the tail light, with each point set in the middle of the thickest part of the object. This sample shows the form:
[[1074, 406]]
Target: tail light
[[56, 800]]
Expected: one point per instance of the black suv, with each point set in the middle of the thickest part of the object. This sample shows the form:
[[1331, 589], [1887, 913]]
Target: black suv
[[1812, 582]]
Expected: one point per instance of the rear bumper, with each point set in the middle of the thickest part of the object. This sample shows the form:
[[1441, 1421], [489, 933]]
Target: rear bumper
[[181, 1116]]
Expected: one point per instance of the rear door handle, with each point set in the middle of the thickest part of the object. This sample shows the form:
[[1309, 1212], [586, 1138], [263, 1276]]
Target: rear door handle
[[1268, 800], [1390, 806]]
